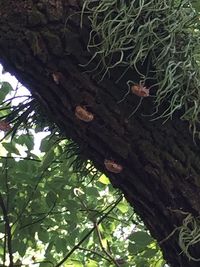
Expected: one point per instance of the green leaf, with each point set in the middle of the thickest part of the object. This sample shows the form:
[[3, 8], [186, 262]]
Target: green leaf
[[92, 192], [141, 239], [72, 205], [141, 262], [43, 236], [133, 249], [149, 253], [13, 229], [47, 160], [72, 237], [23, 166], [49, 248], [19, 246], [160, 263], [83, 234], [10, 147], [196, 5], [51, 198], [92, 263], [45, 144], [22, 249], [123, 207], [60, 245], [26, 140], [1, 249], [93, 215], [103, 179], [46, 263], [2, 227], [5, 89], [73, 263]]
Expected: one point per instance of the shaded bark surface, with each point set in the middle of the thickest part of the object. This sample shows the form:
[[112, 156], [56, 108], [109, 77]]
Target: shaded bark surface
[[160, 176]]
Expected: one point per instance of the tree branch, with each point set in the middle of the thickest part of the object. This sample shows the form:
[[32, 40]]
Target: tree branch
[[8, 230], [94, 252], [89, 233], [103, 248], [40, 219]]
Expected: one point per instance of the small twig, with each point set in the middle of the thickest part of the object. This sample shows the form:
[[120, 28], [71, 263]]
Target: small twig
[[4, 246], [102, 246], [26, 158], [89, 233], [50, 213], [7, 186], [7, 206], [14, 97], [40, 219], [19, 157], [31, 195], [94, 252], [8, 230]]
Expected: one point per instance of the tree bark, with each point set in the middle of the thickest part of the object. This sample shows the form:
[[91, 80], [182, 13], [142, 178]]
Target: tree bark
[[41, 40]]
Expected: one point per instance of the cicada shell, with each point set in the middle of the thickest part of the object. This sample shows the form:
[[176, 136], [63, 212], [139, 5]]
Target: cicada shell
[[140, 90], [82, 114], [112, 166], [5, 126]]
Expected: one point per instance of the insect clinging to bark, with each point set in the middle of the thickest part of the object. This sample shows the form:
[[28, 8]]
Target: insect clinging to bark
[[137, 89], [83, 114], [112, 166], [140, 90]]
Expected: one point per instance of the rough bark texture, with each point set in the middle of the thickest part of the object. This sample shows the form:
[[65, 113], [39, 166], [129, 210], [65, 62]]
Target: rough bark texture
[[160, 176]]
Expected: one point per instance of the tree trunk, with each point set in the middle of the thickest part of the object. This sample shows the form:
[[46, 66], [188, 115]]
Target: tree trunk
[[160, 176]]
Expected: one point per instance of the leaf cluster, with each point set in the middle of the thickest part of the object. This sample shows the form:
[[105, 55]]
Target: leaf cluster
[[55, 218]]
